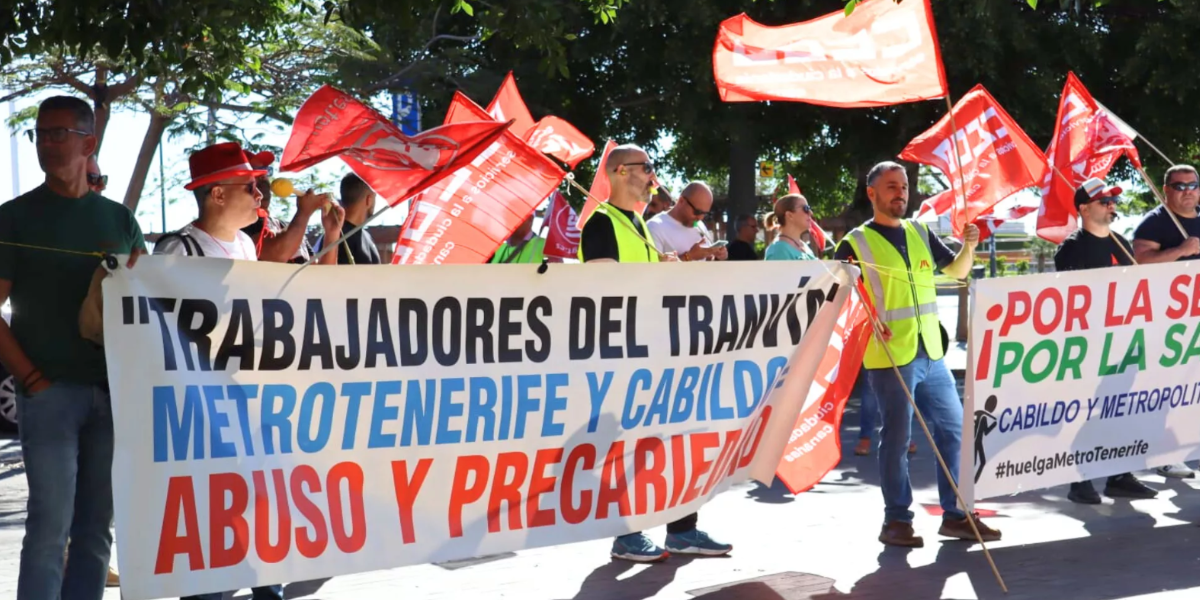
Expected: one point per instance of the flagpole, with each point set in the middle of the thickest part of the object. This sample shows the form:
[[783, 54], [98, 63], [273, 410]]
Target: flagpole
[[957, 159], [1157, 194]]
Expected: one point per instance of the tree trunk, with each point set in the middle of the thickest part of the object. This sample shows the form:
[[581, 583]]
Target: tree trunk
[[150, 143], [743, 159], [101, 105]]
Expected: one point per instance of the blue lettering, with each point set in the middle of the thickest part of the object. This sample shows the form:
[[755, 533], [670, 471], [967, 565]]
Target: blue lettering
[[685, 394], [1003, 414], [448, 409], [169, 427], [714, 399], [747, 401], [241, 394], [328, 395], [482, 407], [526, 403], [554, 403], [597, 392], [354, 392], [506, 402], [418, 414], [278, 417], [661, 404], [640, 380], [381, 411], [217, 421]]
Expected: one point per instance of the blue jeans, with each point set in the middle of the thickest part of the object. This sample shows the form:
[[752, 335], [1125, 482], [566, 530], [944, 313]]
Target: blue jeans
[[67, 445], [936, 396], [267, 592], [868, 410]]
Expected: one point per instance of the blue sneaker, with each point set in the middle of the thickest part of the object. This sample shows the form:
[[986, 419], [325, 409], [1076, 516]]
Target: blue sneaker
[[637, 548], [696, 542]]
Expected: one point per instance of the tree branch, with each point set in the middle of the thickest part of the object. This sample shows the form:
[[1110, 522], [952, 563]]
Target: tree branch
[[396, 76]]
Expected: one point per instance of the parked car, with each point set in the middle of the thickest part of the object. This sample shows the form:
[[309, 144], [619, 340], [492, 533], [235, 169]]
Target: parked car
[[8, 387]]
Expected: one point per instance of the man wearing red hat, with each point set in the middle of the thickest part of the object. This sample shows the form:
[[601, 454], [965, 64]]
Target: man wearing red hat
[[277, 241], [224, 182]]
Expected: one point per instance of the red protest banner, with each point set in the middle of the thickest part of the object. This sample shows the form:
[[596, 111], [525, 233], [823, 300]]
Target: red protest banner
[[562, 239], [815, 448], [464, 218], [396, 166], [996, 157], [883, 53]]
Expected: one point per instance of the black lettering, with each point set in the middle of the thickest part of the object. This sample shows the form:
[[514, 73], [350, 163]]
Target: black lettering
[[447, 312], [277, 334], [583, 328], [674, 304], [316, 337], [754, 320], [729, 324], [192, 333], [609, 326], [161, 306], [480, 316], [349, 355], [239, 338], [379, 335], [632, 348], [509, 328], [538, 351], [771, 330], [700, 314], [814, 299], [414, 323]]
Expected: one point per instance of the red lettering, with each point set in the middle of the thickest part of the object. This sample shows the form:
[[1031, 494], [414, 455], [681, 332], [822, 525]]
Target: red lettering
[[540, 484], [748, 456], [222, 517], [728, 451], [1017, 311], [406, 493], [1178, 295], [352, 474], [585, 453], [506, 491], [462, 495], [644, 478], [1052, 296], [1141, 303], [678, 469], [314, 545], [1079, 300], [181, 498], [262, 517], [613, 484], [1110, 318], [701, 442], [1196, 297]]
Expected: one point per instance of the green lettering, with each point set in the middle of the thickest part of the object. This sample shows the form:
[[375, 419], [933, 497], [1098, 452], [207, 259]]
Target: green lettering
[[1072, 360], [1027, 371], [1008, 358], [1173, 345], [1136, 353], [1193, 348], [1105, 368]]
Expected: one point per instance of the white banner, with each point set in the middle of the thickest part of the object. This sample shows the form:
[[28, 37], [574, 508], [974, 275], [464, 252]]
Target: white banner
[[1079, 375], [276, 424]]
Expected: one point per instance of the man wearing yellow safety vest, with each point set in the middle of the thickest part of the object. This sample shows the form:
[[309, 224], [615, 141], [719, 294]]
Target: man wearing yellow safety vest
[[898, 258], [615, 232]]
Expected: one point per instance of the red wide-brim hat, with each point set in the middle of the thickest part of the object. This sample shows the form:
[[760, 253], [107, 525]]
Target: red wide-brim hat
[[219, 162]]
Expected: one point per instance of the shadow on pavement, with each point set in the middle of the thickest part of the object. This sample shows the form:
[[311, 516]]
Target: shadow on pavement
[[608, 581]]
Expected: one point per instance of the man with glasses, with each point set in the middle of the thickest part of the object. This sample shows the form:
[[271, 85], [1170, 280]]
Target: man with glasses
[[1095, 246], [745, 229], [62, 380], [659, 202], [1157, 239], [681, 230]]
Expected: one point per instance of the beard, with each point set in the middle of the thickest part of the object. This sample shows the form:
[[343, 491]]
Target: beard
[[896, 207]]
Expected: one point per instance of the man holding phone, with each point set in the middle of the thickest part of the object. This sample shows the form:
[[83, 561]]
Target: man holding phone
[[682, 231]]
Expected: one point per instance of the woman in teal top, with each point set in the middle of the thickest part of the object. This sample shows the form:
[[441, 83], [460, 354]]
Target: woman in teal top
[[792, 217]]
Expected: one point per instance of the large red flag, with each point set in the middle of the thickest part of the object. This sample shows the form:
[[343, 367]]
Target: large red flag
[[508, 104], [464, 218], [396, 166], [562, 237], [814, 230], [551, 135], [815, 448], [1087, 142], [942, 203], [883, 53], [996, 156]]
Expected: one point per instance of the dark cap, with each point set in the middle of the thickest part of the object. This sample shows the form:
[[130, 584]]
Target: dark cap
[[1093, 189]]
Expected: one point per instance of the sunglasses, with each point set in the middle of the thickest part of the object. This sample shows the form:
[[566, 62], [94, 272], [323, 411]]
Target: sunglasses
[[699, 213], [1184, 187], [249, 188], [52, 134], [806, 208], [647, 167], [94, 179], [1106, 202]]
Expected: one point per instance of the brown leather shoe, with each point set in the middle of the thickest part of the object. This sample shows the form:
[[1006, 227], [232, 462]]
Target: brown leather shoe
[[114, 580], [899, 533], [961, 529]]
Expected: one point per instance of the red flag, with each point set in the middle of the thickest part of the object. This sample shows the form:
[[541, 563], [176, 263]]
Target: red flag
[[942, 203], [464, 218], [562, 239], [396, 166], [936, 205], [814, 447], [997, 158], [600, 188], [883, 53], [814, 230], [1087, 141], [561, 140], [508, 104]]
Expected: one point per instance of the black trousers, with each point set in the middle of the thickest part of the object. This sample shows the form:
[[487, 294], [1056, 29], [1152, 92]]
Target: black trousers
[[683, 525]]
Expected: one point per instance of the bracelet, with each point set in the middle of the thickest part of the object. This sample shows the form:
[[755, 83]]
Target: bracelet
[[28, 386], [30, 375]]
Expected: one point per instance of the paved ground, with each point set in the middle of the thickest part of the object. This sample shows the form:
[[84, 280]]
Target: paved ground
[[820, 545]]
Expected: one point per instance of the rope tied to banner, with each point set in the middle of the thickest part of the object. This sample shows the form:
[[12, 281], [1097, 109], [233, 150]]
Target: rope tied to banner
[[109, 260]]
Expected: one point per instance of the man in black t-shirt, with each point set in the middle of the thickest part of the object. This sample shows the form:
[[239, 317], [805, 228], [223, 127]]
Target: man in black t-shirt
[[359, 201], [745, 227], [1095, 246], [1157, 239]]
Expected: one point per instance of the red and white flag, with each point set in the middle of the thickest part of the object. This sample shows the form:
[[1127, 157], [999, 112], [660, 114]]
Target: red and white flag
[[1088, 139], [814, 230], [942, 203], [882, 53], [508, 104], [464, 218], [996, 156], [815, 446], [396, 166], [562, 236], [551, 135]]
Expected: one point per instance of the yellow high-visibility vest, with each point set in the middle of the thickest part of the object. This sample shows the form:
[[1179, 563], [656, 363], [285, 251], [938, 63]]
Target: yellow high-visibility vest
[[631, 248]]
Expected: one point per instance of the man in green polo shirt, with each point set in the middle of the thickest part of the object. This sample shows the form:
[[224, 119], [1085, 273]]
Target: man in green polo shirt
[[522, 247]]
